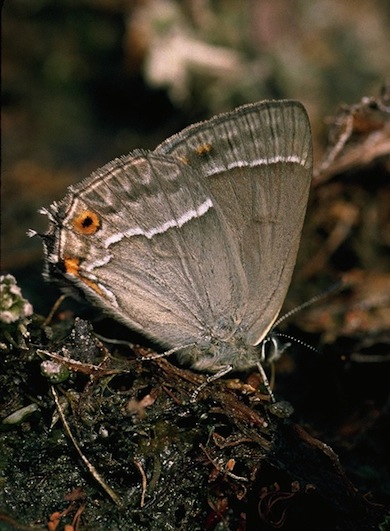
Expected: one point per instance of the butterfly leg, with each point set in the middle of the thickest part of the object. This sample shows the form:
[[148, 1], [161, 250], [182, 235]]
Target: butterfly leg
[[210, 379]]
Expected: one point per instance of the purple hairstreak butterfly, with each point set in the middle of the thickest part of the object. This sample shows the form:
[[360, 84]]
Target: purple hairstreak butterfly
[[193, 244]]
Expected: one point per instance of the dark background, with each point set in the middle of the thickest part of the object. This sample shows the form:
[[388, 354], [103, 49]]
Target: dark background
[[84, 81]]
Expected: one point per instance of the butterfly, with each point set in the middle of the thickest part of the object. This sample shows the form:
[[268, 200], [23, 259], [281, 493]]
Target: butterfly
[[193, 244]]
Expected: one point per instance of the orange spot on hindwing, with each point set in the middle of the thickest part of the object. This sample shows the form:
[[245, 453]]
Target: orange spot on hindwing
[[72, 267], [86, 222]]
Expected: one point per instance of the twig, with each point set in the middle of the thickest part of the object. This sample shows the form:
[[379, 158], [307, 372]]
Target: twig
[[89, 465]]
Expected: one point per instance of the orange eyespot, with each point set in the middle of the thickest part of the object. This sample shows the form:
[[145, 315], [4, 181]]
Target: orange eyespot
[[87, 222], [203, 149]]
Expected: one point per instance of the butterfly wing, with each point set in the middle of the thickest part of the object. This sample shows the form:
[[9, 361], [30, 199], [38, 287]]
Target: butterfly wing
[[257, 164], [198, 238]]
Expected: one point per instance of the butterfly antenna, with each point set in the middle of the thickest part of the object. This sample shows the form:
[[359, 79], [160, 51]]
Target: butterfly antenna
[[295, 340], [337, 286]]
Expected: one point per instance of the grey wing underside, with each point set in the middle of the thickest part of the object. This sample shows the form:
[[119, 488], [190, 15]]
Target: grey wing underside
[[260, 170], [173, 267], [204, 231]]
